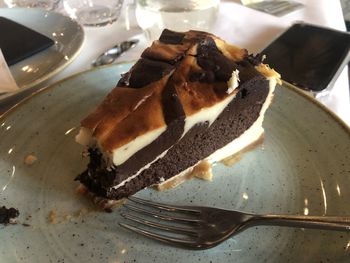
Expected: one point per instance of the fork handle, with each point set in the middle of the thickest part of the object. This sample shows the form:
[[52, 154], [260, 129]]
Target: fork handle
[[318, 222]]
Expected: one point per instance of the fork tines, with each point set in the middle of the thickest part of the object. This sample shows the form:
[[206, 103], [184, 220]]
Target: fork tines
[[141, 212]]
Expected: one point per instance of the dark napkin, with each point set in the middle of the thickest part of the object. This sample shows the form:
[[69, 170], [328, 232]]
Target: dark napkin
[[18, 42]]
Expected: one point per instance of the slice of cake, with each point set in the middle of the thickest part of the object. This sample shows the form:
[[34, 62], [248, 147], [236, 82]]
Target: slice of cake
[[190, 100]]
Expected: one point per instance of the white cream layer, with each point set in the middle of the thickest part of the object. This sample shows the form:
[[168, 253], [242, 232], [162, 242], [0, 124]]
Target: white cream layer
[[208, 114], [233, 82], [121, 154], [249, 136]]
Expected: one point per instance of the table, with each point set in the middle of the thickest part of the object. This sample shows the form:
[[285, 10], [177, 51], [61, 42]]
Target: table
[[236, 24]]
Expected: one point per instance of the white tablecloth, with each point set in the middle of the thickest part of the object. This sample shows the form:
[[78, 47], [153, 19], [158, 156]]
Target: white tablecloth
[[236, 24]]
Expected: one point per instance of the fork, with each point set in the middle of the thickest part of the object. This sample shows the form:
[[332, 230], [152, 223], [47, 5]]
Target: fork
[[196, 227]]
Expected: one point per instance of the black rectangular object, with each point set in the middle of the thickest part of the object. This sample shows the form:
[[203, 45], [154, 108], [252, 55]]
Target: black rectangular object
[[18, 42], [309, 56]]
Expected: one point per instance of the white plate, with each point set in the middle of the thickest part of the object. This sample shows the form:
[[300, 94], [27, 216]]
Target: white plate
[[67, 34], [303, 167]]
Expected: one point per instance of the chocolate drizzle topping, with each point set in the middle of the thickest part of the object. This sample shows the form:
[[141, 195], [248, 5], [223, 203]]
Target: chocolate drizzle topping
[[171, 37], [255, 59], [145, 72], [217, 67]]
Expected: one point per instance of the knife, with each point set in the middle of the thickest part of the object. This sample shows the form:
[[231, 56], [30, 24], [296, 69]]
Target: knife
[[114, 52]]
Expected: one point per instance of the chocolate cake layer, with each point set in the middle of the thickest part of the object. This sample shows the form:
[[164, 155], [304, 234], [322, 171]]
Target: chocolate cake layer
[[189, 95]]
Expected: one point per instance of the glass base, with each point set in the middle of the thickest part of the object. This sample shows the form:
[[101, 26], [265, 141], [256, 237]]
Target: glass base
[[44, 4], [96, 16]]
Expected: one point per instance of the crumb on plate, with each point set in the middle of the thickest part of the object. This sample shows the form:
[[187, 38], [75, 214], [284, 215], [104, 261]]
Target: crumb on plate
[[30, 159]]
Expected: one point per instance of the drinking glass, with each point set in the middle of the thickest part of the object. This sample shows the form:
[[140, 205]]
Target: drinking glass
[[45, 4], [181, 15], [93, 12]]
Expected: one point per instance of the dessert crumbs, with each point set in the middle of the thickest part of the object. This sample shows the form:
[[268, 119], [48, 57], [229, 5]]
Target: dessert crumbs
[[104, 204], [203, 171], [81, 190], [231, 160], [8, 215], [55, 218], [85, 153], [52, 218], [174, 181], [30, 159]]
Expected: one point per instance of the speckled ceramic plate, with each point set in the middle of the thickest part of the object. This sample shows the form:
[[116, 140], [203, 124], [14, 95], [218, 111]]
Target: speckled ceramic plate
[[303, 167], [67, 34]]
